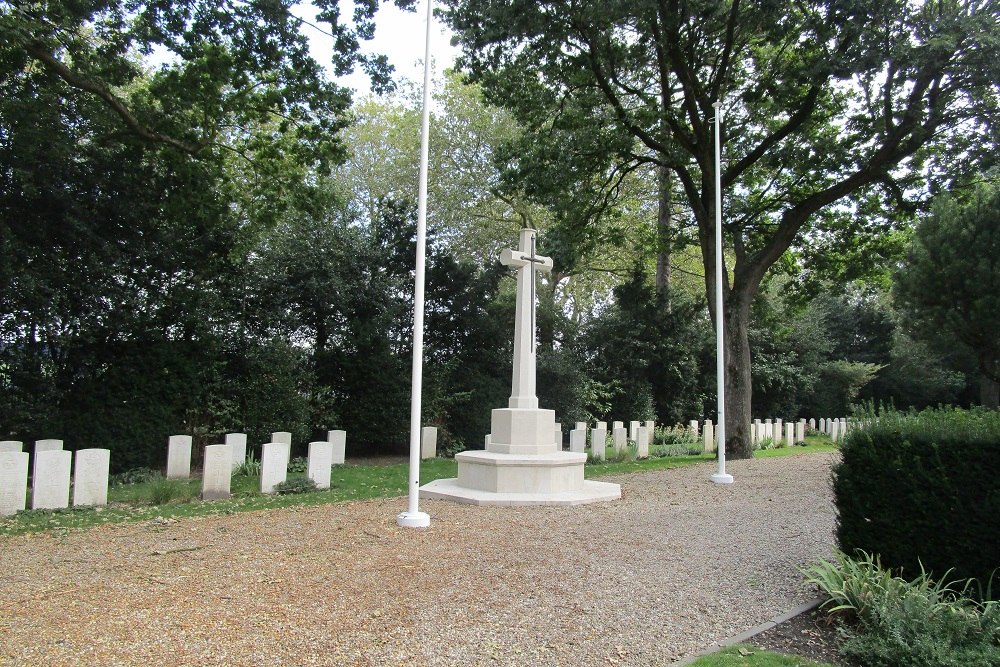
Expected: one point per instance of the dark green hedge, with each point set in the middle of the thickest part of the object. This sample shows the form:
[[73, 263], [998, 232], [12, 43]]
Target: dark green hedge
[[924, 488]]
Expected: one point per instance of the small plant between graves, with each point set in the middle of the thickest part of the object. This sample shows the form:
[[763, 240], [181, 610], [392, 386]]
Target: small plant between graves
[[162, 491], [134, 476], [248, 468], [295, 484], [299, 464]]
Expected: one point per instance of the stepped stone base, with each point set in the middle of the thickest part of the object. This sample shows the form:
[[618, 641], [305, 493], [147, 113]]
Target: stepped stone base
[[493, 478]]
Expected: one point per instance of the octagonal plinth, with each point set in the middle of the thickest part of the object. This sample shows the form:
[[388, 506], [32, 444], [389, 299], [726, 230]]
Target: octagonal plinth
[[492, 478]]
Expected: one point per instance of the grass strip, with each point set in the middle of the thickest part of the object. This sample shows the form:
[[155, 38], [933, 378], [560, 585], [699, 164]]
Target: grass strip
[[744, 655]]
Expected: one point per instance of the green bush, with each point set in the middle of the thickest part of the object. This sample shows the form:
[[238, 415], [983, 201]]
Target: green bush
[[134, 476], [296, 484], [299, 464], [922, 488], [895, 623]]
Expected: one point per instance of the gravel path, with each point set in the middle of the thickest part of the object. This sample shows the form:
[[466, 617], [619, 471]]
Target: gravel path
[[676, 564]]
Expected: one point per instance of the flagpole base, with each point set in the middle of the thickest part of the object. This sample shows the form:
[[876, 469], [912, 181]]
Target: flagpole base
[[414, 520], [722, 478]]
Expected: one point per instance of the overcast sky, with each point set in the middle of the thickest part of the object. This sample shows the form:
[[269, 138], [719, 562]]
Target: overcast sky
[[398, 34]]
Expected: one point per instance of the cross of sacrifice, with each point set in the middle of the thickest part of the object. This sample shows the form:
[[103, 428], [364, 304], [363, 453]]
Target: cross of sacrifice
[[527, 262]]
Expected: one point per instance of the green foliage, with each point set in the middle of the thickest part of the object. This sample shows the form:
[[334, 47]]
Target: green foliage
[[916, 489], [300, 464], [839, 384], [951, 279], [296, 484], [134, 476], [250, 467], [162, 491], [675, 441], [899, 623], [650, 356]]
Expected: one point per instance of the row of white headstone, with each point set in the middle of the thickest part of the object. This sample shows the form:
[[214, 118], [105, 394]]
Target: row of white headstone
[[776, 430], [50, 476], [640, 433], [220, 461]]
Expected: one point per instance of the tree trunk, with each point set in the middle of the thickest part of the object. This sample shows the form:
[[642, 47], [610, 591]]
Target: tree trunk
[[989, 392], [738, 381], [664, 233]]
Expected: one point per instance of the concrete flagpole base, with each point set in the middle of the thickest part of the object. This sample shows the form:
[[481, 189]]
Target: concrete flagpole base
[[722, 478], [414, 520]]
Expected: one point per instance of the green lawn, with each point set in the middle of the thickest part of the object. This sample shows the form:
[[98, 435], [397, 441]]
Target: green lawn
[[349, 482], [743, 655]]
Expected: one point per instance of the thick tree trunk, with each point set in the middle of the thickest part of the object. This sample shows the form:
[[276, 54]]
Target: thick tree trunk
[[738, 380], [664, 233]]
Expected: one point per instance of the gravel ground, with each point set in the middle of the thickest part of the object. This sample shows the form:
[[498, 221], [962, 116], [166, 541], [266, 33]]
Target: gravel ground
[[676, 564]]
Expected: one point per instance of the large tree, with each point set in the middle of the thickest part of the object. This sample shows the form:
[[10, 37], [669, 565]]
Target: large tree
[[824, 100]]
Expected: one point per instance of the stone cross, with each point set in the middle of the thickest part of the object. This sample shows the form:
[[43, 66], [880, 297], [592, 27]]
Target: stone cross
[[527, 262]]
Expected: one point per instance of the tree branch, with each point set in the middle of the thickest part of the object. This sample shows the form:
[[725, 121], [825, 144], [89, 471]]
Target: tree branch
[[79, 82]]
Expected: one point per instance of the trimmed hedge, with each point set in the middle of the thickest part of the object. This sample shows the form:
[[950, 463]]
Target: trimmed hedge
[[924, 488]]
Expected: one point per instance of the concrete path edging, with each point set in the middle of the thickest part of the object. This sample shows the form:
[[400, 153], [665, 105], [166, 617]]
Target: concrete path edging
[[751, 633]]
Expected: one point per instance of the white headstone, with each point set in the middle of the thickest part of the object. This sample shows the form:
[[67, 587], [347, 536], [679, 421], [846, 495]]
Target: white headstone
[[822, 425], [620, 438], [45, 446], [633, 428], [642, 442], [428, 442], [11, 446], [650, 428], [598, 442], [50, 481], [779, 429], [238, 443], [578, 440], [273, 465], [48, 445], [800, 431], [179, 457], [13, 482], [581, 426], [558, 436], [339, 441], [486, 440], [90, 477], [603, 425], [789, 434], [834, 430], [217, 472], [709, 432], [615, 425], [812, 423], [320, 461], [693, 425], [282, 436]]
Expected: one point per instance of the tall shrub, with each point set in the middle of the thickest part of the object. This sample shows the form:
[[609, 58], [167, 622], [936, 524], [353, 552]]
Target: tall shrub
[[922, 488]]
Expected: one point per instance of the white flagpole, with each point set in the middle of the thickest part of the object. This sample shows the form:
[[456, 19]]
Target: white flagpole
[[413, 517], [720, 353]]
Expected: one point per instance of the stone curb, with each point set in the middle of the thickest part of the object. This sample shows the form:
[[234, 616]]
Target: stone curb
[[752, 632]]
